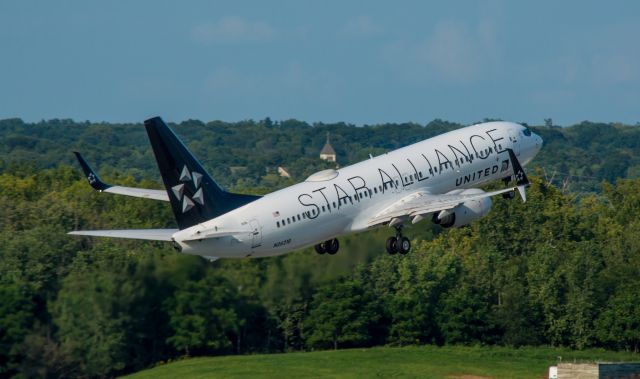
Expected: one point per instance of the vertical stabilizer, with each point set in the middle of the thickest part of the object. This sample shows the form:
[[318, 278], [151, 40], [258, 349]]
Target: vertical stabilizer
[[194, 196]]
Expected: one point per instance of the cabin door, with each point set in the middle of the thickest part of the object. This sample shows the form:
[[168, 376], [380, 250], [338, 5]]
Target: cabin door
[[256, 233]]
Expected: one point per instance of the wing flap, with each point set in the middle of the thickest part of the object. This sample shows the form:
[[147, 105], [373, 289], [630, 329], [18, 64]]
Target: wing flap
[[140, 234]]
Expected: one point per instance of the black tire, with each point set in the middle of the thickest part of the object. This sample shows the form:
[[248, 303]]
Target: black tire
[[403, 245], [332, 246], [509, 195], [320, 248], [391, 245]]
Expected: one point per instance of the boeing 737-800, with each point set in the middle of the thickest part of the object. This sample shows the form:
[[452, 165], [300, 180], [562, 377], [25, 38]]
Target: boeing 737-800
[[436, 179]]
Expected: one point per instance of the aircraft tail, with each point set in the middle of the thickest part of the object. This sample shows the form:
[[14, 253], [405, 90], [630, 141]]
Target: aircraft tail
[[194, 196]]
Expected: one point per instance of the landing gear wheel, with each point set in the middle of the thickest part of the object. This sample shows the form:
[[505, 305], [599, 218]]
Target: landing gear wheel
[[391, 245], [320, 248], [332, 246], [403, 245], [509, 195]]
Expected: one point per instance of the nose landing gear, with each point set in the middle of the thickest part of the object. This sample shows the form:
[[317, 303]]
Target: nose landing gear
[[398, 243], [330, 247]]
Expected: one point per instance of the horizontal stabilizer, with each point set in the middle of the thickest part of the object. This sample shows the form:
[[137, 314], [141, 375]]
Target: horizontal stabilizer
[[139, 234], [215, 234]]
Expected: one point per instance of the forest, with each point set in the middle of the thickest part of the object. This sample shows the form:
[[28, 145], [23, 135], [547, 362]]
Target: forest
[[562, 269]]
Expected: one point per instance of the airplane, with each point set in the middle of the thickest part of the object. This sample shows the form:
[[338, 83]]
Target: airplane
[[437, 178]]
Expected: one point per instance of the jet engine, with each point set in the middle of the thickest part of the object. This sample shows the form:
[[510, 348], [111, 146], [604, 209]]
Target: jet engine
[[464, 213]]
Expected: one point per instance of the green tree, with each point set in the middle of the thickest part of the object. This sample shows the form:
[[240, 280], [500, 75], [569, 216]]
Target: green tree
[[619, 324], [202, 316], [342, 315]]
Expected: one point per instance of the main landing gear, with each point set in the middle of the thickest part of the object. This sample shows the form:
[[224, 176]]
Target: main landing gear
[[330, 247], [398, 243], [511, 194]]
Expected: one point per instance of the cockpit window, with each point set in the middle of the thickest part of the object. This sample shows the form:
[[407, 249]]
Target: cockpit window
[[527, 132]]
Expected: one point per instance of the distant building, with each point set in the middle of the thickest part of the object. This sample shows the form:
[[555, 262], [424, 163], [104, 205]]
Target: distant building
[[599, 370], [327, 153], [283, 172]]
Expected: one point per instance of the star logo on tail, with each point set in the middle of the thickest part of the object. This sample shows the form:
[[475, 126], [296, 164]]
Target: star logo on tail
[[178, 190]]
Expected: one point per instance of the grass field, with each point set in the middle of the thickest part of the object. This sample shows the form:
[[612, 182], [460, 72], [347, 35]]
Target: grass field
[[384, 362]]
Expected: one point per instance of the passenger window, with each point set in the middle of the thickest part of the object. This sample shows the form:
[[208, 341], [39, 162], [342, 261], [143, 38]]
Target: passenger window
[[298, 217], [323, 208], [288, 220], [334, 205], [375, 189], [304, 215], [278, 224]]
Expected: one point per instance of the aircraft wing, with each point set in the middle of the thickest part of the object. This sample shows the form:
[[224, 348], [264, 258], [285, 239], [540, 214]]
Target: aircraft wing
[[140, 234], [97, 184], [421, 203]]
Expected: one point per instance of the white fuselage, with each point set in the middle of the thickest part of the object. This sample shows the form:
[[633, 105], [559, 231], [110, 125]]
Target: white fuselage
[[333, 203]]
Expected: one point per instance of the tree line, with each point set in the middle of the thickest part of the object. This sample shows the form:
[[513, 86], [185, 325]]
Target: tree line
[[551, 271], [246, 154]]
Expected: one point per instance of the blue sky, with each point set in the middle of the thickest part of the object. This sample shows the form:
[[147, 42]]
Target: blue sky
[[358, 62]]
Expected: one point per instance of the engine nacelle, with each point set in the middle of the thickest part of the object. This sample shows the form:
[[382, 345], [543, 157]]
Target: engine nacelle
[[465, 213]]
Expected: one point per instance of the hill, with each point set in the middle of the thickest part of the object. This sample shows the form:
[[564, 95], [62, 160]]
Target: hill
[[383, 362], [245, 154]]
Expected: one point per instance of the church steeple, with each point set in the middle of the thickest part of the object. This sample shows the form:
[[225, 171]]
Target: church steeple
[[328, 153]]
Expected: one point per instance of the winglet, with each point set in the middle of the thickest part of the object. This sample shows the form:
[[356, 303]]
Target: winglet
[[92, 177], [518, 172]]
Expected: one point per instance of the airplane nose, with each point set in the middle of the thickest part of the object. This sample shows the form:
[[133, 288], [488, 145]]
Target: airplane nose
[[538, 141]]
